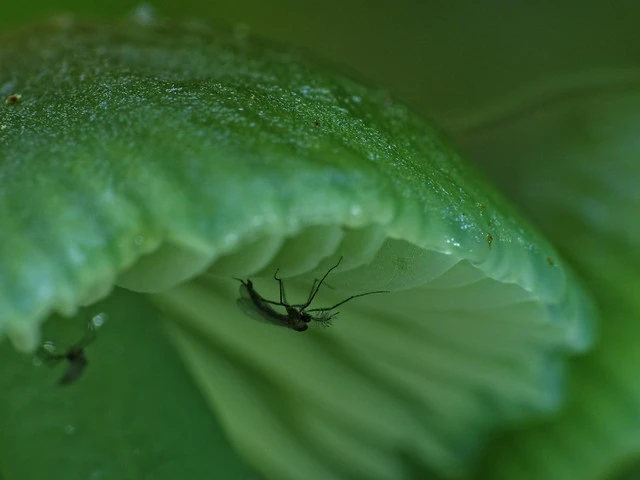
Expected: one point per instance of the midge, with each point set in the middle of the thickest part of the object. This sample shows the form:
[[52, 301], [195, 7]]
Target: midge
[[75, 357], [297, 316]]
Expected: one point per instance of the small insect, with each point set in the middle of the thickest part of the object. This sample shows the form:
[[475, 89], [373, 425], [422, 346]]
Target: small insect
[[75, 357], [489, 239], [13, 99], [297, 316]]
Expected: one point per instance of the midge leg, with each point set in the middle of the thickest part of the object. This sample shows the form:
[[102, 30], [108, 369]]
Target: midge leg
[[89, 336], [317, 284], [283, 298], [313, 286], [49, 358]]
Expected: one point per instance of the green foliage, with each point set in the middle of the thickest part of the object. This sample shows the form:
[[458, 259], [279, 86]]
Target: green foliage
[[578, 177], [133, 414], [148, 153]]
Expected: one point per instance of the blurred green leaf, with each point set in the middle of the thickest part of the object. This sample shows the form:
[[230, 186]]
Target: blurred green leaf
[[571, 159], [425, 51], [150, 154], [133, 414]]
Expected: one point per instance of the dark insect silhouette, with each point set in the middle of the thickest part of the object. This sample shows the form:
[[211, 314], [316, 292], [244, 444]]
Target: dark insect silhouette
[[297, 316], [75, 357]]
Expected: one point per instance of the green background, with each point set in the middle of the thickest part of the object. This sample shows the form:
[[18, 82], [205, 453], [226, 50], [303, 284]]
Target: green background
[[447, 60], [444, 58]]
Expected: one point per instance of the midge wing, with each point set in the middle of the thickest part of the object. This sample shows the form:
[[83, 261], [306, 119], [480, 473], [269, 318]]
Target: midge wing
[[252, 306], [251, 310], [243, 290]]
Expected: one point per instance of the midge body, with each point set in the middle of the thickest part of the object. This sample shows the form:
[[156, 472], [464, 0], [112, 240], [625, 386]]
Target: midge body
[[297, 316], [76, 359]]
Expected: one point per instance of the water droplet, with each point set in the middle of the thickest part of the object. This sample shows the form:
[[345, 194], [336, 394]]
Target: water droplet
[[98, 320], [69, 429]]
